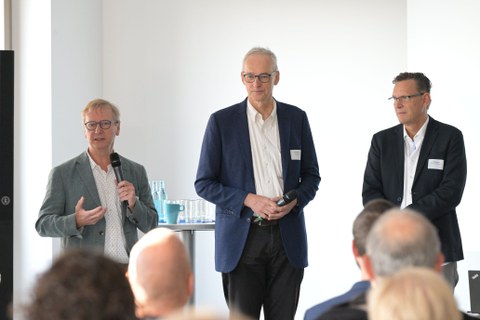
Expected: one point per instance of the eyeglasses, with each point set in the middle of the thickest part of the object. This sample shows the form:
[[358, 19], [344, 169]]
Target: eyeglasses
[[406, 98], [263, 77], [104, 124]]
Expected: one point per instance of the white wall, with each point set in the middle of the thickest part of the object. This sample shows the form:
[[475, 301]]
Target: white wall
[[183, 62], [32, 136], [169, 64], [58, 69], [76, 71], [2, 25], [442, 41]]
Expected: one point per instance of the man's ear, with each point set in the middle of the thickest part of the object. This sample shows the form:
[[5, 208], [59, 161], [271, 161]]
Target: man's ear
[[191, 284], [277, 78], [354, 249], [439, 262], [367, 263]]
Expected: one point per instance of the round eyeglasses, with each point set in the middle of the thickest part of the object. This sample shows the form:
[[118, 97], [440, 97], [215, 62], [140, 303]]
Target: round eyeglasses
[[104, 124], [263, 77]]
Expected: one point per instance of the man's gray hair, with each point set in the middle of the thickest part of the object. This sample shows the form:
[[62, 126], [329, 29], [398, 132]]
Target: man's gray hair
[[264, 51], [402, 238]]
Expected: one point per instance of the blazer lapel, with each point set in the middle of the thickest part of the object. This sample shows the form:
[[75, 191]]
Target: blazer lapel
[[398, 153], [126, 169], [431, 135], [284, 127], [86, 175], [243, 138]]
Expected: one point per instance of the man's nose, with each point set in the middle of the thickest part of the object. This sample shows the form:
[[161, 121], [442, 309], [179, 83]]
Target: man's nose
[[257, 81]]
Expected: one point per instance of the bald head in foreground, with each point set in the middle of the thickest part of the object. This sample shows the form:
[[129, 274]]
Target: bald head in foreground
[[399, 239], [402, 238], [160, 274]]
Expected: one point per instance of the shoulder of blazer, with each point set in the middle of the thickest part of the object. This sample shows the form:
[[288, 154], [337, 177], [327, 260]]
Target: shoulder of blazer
[[81, 159], [233, 109], [288, 112], [282, 106], [437, 125], [395, 130], [129, 163]]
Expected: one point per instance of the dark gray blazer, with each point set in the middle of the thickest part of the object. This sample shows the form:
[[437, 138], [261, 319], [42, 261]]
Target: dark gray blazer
[[74, 179], [435, 192]]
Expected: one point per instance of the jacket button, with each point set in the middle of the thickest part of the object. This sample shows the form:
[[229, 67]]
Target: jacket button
[[101, 233], [249, 220], [399, 199]]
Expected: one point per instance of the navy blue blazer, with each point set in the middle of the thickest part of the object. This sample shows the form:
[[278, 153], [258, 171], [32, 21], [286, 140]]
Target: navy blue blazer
[[316, 311], [225, 177], [435, 192]]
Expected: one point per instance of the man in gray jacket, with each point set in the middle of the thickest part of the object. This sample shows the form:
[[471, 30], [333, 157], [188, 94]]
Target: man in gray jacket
[[83, 202]]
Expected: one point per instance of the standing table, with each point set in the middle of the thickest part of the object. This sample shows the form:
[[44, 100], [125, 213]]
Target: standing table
[[187, 234]]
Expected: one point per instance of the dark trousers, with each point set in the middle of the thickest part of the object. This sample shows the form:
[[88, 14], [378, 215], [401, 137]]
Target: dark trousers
[[449, 271], [263, 277]]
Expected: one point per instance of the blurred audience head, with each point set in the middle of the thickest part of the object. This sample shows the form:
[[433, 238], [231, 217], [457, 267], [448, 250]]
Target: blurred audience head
[[364, 221], [402, 238], [413, 293], [82, 285], [205, 314], [160, 274]]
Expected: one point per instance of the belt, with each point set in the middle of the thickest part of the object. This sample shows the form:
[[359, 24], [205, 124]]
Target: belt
[[263, 222]]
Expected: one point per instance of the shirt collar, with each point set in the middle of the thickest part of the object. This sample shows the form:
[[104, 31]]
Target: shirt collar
[[253, 114], [93, 164], [420, 133]]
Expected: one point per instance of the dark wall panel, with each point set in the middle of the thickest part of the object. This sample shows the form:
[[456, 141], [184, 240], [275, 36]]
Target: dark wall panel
[[6, 181]]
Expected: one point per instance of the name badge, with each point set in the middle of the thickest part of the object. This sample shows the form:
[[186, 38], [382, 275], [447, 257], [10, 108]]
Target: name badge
[[435, 164], [295, 154]]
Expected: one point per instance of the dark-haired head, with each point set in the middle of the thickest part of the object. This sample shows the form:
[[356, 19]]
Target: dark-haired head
[[423, 83], [82, 285], [365, 220]]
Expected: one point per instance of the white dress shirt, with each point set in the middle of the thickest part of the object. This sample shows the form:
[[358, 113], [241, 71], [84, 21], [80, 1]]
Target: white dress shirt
[[266, 154], [411, 154], [115, 243]]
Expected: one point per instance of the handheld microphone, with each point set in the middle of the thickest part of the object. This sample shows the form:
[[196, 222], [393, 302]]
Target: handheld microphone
[[287, 198], [117, 168]]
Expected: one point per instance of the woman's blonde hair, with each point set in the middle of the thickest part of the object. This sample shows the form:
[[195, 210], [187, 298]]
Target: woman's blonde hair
[[413, 293]]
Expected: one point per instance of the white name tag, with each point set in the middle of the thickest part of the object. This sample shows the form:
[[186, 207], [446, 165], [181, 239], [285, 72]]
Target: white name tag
[[295, 154], [435, 164]]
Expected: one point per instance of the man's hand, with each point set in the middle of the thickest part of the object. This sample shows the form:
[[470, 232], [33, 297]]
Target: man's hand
[[87, 217], [267, 208], [261, 206], [126, 191], [282, 211]]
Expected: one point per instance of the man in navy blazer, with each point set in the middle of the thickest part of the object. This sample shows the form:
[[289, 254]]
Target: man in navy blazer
[[82, 204], [420, 164], [252, 153]]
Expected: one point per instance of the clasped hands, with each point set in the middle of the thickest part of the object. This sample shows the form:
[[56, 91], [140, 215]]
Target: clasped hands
[[267, 208]]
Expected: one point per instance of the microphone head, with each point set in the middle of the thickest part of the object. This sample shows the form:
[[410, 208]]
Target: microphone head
[[287, 198], [290, 196], [115, 159]]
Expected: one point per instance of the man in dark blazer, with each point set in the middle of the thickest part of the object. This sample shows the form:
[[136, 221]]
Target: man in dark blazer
[[82, 204], [252, 153], [420, 164]]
